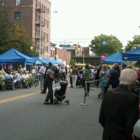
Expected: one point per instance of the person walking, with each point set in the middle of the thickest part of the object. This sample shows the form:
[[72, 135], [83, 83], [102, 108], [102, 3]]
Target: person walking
[[114, 76], [106, 76], [97, 75], [74, 76], [63, 73], [92, 77], [44, 85], [42, 74], [103, 82], [86, 76], [119, 108], [49, 83], [70, 75]]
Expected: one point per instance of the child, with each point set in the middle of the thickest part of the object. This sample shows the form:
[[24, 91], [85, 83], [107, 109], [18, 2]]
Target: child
[[102, 85]]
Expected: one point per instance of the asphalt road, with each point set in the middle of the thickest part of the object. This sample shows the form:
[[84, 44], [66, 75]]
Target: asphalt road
[[23, 116]]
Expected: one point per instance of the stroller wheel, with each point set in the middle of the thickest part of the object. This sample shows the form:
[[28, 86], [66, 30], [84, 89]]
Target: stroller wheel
[[67, 101], [55, 101]]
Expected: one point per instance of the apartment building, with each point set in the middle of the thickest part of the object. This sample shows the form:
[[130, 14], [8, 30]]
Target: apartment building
[[34, 16]]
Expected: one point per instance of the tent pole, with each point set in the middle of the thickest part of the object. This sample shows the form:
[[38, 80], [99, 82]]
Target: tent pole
[[121, 66], [25, 65]]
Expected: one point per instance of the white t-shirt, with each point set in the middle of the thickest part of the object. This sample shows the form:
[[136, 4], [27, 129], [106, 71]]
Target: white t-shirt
[[33, 71], [17, 76], [92, 74], [42, 70], [25, 76], [63, 70]]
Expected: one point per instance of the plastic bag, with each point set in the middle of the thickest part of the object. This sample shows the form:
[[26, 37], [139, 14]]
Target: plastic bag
[[57, 86]]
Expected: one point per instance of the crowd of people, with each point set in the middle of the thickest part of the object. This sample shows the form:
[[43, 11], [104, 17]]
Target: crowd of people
[[119, 112], [19, 78]]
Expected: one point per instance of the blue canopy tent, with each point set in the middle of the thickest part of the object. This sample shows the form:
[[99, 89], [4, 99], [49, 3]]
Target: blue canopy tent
[[15, 57], [132, 55], [38, 61], [45, 60], [53, 61], [114, 58], [49, 60]]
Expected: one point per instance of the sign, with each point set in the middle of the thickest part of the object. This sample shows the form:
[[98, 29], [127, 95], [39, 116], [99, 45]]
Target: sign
[[64, 45]]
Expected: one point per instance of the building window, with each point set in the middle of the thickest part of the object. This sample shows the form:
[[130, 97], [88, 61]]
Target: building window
[[2, 2], [47, 24], [44, 22], [17, 2], [42, 8], [48, 11], [36, 3], [17, 16], [51, 53], [47, 37]]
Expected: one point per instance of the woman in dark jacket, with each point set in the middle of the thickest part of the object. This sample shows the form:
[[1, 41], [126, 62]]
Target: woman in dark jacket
[[114, 77]]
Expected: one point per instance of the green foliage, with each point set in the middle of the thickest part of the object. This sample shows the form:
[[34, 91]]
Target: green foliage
[[31, 80], [13, 36], [133, 44], [72, 62], [112, 44]]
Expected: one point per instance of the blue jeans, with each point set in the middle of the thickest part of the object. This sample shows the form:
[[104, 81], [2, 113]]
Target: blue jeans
[[50, 92], [63, 76], [86, 86], [101, 94]]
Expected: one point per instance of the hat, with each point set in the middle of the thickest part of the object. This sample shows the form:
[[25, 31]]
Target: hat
[[137, 129], [55, 65]]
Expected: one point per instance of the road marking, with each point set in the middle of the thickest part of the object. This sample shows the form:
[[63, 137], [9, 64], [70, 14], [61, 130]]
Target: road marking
[[18, 97]]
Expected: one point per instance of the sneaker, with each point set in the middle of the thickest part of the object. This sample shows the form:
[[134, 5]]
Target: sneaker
[[46, 103], [43, 92]]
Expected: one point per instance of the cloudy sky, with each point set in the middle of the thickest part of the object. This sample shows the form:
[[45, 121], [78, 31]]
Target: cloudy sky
[[81, 20]]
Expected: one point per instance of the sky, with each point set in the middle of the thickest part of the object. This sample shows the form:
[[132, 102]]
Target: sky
[[78, 21]]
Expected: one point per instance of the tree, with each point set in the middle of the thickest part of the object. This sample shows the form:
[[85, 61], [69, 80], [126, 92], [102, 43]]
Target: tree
[[133, 44], [5, 28], [105, 45], [72, 62], [12, 35]]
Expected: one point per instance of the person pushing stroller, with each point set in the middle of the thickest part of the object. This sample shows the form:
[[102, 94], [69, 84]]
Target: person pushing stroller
[[50, 76]]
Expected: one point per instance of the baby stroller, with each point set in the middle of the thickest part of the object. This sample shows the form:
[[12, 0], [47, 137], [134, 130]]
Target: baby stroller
[[60, 94]]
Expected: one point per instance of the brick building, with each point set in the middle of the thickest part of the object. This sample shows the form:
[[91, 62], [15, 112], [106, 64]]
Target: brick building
[[34, 16], [63, 55], [60, 54]]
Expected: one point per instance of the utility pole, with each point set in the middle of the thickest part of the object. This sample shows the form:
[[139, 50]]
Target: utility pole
[[83, 56]]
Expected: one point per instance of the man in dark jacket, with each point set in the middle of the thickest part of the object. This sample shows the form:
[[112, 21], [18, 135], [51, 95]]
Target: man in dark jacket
[[44, 86], [119, 109], [49, 83]]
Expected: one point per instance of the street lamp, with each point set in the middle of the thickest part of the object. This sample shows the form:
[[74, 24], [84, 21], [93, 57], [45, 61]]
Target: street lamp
[[31, 47]]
